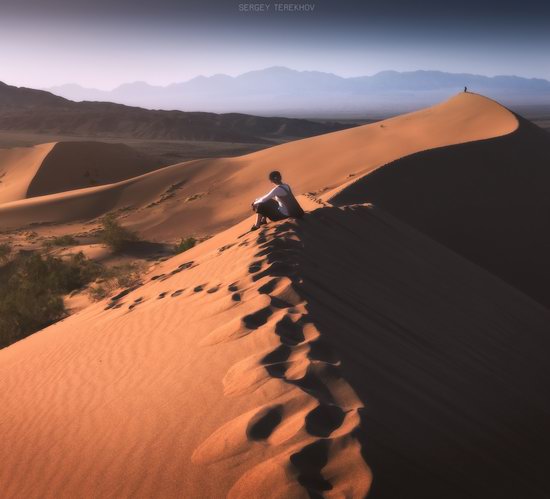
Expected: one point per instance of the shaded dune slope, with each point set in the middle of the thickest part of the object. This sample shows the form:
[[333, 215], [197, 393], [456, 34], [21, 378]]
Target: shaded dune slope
[[450, 362], [488, 200], [74, 165], [287, 363], [221, 189], [56, 167]]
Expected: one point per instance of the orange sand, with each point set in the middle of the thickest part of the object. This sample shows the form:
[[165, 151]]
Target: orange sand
[[246, 367], [212, 194]]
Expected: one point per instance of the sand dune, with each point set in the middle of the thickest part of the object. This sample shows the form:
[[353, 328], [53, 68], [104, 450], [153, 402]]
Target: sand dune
[[74, 165], [488, 200], [327, 357], [18, 166], [28, 172], [201, 197]]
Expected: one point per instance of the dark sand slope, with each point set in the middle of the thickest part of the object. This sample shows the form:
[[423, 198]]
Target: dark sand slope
[[451, 363], [278, 364], [488, 200], [74, 165]]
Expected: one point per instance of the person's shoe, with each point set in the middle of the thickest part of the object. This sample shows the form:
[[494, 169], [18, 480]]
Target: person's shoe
[[254, 227]]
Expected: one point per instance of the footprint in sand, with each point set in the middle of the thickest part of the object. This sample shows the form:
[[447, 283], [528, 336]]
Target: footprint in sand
[[255, 267], [213, 289], [275, 362], [291, 333], [257, 319], [177, 293], [199, 288], [309, 462], [226, 247], [162, 295], [181, 267], [125, 292], [137, 301], [262, 425], [278, 269], [324, 419], [236, 297]]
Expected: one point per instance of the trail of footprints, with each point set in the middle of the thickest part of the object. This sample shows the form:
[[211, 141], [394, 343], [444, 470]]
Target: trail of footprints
[[302, 362]]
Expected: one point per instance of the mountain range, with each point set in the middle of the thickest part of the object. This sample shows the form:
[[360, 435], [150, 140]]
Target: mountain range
[[26, 109], [283, 91]]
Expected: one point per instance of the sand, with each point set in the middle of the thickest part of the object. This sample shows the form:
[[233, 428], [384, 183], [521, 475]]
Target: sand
[[204, 196], [488, 200], [340, 355], [27, 172], [18, 166], [324, 357]]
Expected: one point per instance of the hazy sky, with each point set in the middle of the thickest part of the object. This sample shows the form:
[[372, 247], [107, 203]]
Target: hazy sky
[[104, 43]]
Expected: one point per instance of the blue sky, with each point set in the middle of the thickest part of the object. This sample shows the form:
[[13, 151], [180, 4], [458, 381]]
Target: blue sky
[[105, 43]]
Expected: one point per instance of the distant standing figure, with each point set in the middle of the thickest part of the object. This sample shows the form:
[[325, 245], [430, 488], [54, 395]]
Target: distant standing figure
[[465, 89], [279, 203]]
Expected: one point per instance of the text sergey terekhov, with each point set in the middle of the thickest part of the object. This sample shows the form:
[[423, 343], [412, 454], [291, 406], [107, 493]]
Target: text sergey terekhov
[[276, 7]]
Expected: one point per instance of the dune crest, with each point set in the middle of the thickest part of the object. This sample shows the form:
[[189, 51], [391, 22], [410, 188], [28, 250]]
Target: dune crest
[[205, 196], [487, 200]]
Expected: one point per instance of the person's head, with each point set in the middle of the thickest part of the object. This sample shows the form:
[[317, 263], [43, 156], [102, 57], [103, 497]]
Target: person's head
[[275, 177]]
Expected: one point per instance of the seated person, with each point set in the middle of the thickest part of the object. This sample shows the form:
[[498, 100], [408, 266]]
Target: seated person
[[279, 203]]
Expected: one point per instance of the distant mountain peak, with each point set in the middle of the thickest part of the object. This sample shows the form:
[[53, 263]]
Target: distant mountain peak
[[283, 91]]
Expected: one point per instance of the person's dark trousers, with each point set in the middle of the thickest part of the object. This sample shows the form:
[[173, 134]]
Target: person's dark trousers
[[270, 209]]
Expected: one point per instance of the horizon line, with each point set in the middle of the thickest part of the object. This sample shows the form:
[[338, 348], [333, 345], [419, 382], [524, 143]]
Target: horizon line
[[83, 86]]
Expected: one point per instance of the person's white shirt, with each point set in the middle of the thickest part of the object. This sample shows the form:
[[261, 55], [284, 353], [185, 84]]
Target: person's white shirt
[[276, 193]]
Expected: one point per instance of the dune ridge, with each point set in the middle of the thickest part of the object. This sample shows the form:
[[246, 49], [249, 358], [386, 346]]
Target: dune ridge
[[323, 357], [488, 200], [221, 189]]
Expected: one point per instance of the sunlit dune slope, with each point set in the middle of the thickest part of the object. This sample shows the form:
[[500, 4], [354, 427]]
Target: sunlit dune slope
[[18, 166], [63, 166], [318, 358], [201, 197]]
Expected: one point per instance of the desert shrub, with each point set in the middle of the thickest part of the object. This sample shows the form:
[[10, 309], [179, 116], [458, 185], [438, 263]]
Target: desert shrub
[[118, 276], [66, 240], [32, 288], [98, 292], [184, 244], [5, 252], [113, 234]]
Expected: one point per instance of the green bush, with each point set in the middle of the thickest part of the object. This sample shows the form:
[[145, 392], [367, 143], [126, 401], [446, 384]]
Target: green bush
[[32, 288], [184, 244], [113, 234], [66, 240], [5, 252]]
